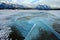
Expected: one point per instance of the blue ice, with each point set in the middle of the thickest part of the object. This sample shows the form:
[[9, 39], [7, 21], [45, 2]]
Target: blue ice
[[29, 28]]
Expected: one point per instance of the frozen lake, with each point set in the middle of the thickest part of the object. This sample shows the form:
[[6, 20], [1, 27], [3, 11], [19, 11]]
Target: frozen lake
[[8, 15]]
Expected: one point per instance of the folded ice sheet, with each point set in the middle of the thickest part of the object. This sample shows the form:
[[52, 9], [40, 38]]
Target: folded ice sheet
[[37, 4]]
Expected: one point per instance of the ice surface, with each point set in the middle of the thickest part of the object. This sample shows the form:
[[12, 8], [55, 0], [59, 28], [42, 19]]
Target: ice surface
[[27, 23]]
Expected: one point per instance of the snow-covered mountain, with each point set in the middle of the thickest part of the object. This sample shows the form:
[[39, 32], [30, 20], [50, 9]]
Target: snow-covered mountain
[[17, 6], [33, 3], [10, 6], [42, 7]]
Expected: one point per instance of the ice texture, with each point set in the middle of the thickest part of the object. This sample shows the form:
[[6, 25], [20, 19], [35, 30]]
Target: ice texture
[[28, 23]]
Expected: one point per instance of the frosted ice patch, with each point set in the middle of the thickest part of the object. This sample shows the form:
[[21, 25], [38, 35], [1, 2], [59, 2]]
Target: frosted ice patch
[[4, 31]]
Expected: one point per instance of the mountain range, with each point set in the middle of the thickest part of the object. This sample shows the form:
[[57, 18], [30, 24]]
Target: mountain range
[[17, 6]]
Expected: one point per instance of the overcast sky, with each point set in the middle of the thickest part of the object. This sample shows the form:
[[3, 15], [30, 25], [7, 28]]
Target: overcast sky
[[53, 3]]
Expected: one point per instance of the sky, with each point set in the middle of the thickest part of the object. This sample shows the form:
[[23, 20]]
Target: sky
[[32, 3]]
